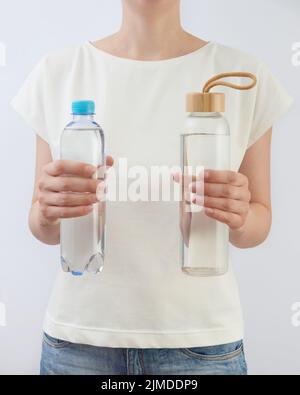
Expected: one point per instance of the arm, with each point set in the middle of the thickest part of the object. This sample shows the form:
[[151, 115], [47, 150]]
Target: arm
[[45, 231], [54, 197], [242, 199], [256, 167]]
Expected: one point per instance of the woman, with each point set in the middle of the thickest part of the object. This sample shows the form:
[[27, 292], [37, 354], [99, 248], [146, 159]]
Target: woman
[[142, 315]]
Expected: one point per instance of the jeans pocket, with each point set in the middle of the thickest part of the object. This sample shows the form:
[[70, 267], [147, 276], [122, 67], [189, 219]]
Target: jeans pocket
[[215, 353], [54, 342]]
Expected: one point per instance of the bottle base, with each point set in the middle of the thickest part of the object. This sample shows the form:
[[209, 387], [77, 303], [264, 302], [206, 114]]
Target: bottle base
[[94, 266], [64, 265], [203, 271], [76, 274]]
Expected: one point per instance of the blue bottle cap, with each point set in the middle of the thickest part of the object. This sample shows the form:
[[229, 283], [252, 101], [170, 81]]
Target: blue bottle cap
[[83, 107]]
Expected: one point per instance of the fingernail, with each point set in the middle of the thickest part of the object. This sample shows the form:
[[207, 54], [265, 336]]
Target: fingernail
[[209, 210], [175, 176], [206, 174], [193, 198], [189, 196]]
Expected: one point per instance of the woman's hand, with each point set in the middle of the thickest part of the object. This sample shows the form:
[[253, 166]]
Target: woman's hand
[[226, 197], [68, 189]]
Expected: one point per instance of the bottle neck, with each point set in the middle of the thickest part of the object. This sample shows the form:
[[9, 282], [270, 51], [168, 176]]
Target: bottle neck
[[205, 114], [78, 118]]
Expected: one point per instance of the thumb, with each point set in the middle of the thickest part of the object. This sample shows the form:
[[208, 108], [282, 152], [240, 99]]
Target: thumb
[[109, 161], [177, 176]]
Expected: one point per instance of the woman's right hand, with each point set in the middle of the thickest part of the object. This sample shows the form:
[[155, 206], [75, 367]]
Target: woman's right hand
[[68, 189]]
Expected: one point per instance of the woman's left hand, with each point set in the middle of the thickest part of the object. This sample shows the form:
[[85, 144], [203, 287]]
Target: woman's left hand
[[226, 197]]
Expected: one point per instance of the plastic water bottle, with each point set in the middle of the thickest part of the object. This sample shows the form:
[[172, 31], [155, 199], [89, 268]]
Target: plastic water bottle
[[205, 144], [82, 239]]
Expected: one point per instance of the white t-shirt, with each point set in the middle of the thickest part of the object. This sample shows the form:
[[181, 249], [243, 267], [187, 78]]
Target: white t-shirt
[[142, 299]]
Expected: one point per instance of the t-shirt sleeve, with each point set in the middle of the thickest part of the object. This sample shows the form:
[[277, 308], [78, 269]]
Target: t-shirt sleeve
[[272, 101], [29, 101]]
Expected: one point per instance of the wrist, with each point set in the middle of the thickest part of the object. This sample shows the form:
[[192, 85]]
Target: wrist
[[238, 234]]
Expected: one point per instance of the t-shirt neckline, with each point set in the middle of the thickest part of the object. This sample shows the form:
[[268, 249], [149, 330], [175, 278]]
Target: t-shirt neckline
[[173, 60]]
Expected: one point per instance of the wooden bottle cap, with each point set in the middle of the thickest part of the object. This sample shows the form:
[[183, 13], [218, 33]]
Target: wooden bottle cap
[[207, 101]]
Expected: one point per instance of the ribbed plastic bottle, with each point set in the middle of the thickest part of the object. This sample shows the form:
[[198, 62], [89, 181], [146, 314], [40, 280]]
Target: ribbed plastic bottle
[[82, 240]]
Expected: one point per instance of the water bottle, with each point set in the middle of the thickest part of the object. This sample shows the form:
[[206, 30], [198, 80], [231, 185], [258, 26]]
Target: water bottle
[[82, 240], [205, 144]]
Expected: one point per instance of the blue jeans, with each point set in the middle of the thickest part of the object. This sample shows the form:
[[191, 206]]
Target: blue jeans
[[60, 357]]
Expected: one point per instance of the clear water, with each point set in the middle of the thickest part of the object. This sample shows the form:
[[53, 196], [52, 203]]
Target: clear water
[[204, 246], [83, 238]]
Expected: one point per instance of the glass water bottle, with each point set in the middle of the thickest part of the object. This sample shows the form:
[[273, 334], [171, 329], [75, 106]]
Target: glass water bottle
[[205, 144]]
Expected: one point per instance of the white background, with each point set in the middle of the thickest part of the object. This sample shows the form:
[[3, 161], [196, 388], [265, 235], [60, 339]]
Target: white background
[[269, 275]]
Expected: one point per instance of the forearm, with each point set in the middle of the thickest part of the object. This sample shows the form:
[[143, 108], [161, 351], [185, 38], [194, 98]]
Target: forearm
[[41, 229], [256, 228]]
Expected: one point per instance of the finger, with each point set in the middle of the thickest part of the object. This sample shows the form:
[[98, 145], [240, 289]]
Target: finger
[[196, 199], [101, 191], [60, 167], [70, 184], [53, 212], [68, 199], [225, 177], [102, 172], [234, 221], [229, 205], [177, 177], [226, 191], [109, 161], [187, 178], [197, 187]]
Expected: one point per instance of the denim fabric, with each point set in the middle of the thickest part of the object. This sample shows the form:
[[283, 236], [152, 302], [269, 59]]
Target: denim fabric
[[60, 357]]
